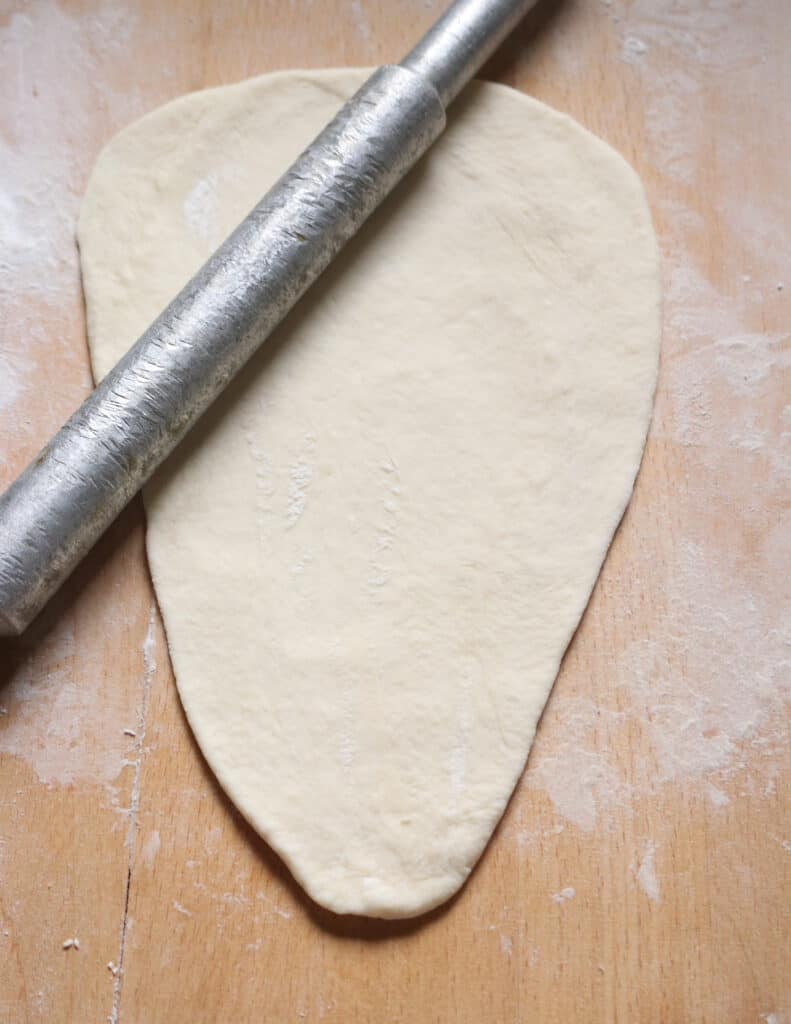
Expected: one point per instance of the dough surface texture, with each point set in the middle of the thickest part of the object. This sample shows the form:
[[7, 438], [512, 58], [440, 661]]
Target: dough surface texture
[[371, 554]]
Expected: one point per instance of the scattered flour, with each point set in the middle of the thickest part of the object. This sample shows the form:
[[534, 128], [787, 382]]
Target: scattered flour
[[151, 848], [211, 840], [284, 915], [16, 369], [633, 50], [57, 721], [300, 479], [43, 171], [261, 906], [564, 895], [361, 23], [716, 796], [149, 645], [201, 207], [574, 770], [701, 700], [645, 872], [50, 61]]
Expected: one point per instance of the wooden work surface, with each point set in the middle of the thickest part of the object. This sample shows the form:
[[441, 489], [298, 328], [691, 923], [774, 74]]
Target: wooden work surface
[[642, 870]]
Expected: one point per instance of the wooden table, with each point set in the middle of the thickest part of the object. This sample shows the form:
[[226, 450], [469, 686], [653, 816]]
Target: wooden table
[[642, 870]]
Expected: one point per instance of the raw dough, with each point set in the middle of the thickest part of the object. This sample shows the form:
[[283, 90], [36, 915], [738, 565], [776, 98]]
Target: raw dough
[[371, 556]]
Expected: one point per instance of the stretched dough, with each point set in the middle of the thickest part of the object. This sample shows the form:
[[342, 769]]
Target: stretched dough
[[371, 556]]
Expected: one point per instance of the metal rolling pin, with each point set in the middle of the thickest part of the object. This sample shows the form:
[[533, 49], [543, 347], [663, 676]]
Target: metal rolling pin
[[58, 508]]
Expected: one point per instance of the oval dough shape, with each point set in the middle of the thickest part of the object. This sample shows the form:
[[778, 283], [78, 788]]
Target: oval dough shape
[[371, 555]]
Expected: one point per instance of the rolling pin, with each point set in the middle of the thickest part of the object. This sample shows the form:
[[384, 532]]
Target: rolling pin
[[56, 510]]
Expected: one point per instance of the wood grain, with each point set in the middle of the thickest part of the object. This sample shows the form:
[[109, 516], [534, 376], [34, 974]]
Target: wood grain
[[641, 872]]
